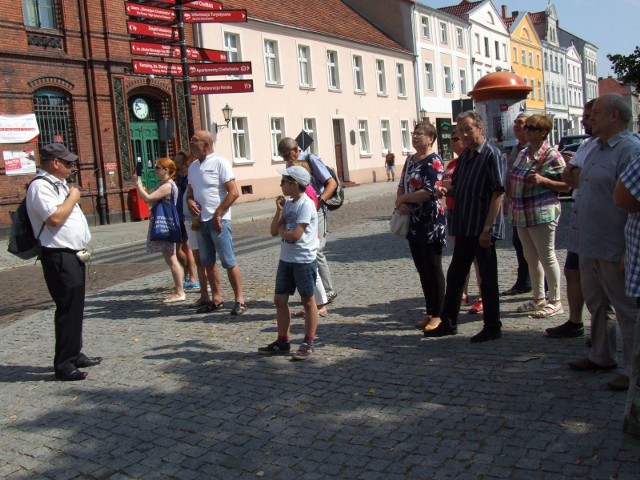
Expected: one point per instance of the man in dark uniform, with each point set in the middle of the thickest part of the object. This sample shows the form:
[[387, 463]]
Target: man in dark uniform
[[63, 239]]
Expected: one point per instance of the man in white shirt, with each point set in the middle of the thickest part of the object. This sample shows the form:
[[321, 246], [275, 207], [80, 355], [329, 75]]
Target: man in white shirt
[[211, 192], [65, 233]]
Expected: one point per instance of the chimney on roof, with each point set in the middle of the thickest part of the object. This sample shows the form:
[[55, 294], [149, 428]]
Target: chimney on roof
[[515, 13], [505, 12]]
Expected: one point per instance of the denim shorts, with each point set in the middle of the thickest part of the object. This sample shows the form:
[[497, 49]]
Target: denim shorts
[[211, 243], [296, 275]]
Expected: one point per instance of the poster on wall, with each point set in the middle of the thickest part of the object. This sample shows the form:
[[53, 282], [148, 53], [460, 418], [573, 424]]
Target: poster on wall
[[18, 128], [19, 163]]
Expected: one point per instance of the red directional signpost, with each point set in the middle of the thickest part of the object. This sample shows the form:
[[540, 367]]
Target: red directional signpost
[[215, 16], [162, 27], [224, 86]]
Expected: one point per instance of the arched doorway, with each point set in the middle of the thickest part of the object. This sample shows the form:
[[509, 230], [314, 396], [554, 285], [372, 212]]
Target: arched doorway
[[145, 136]]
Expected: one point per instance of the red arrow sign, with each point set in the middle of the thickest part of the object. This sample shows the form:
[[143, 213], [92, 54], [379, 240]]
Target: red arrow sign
[[156, 31], [157, 68], [201, 54], [170, 2], [231, 68], [203, 4], [159, 50], [229, 86], [215, 16], [154, 13]]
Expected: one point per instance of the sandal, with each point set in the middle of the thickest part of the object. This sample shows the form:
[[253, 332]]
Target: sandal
[[210, 307], [549, 310], [199, 303], [424, 322], [175, 298], [322, 312], [530, 306], [432, 326]]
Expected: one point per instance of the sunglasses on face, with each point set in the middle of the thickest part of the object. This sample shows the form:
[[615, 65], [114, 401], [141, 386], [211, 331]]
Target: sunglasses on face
[[533, 128], [68, 163]]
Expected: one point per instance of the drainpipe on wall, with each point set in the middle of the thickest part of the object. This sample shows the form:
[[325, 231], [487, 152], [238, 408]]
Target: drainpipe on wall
[[416, 64], [93, 117]]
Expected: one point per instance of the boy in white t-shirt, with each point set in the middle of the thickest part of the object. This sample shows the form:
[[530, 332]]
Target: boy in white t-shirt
[[295, 221]]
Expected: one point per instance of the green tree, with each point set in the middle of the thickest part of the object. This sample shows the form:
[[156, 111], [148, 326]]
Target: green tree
[[627, 67]]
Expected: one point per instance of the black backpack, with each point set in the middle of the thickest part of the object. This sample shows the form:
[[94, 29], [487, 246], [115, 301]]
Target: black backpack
[[337, 198], [22, 242]]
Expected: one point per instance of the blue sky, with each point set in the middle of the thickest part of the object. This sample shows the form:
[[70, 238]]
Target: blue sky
[[611, 25]]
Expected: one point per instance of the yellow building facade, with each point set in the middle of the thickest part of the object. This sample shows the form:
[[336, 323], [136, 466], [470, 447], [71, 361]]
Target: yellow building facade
[[526, 58]]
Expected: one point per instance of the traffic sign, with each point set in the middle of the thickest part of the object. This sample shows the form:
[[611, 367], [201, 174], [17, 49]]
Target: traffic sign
[[231, 68], [155, 31], [160, 50], [157, 68], [154, 13], [204, 54], [228, 86], [218, 16], [203, 4]]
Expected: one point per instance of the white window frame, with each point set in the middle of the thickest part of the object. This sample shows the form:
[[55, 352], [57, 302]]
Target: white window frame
[[309, 126], [363, 134], [276, 129], [401, 83], [463, 81], [448, 83], [444, 33], [426, 27], [385, 136], [304, 66], [234, 52], [496, 46], [459, 38], [271, 62], [531, 59], [381, 77], [429, 80], [524, 57], [404, 135], [333, 72], [240, 136], [478, 45], [487, 50], [358, 74]]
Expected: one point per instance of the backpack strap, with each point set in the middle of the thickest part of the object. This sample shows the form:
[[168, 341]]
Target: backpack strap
[[54, 185]]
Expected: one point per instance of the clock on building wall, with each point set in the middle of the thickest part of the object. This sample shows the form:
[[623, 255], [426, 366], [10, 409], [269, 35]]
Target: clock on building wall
[[140, 108]]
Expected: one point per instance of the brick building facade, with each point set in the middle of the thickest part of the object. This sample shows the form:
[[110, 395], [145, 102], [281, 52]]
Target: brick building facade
[[69, 62]]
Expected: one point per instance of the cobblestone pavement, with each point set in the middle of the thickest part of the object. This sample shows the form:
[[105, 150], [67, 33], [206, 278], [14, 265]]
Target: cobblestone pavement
[[185, 396]]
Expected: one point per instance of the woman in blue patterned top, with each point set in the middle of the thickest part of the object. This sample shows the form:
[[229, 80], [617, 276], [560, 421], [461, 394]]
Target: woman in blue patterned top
[[418, 196]]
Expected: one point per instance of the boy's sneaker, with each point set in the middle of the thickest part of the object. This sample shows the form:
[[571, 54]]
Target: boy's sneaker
[[304, 352], [275, 348], [477, 307], [190, 285]]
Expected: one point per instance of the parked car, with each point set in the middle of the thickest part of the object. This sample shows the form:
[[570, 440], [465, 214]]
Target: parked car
[[570, 143]]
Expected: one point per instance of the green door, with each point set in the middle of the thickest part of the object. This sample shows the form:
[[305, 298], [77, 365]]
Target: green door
[[146, 149]]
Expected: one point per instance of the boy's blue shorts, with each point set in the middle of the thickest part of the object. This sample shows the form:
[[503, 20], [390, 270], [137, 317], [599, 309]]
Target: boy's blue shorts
[[296, 275]]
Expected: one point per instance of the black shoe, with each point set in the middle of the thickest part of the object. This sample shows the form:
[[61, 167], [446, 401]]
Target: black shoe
[[441, 330], [486, 335], [72, 376], [239, 309], [516, 290], [331, 297], [566, 330], [275, 348], [84, 361]]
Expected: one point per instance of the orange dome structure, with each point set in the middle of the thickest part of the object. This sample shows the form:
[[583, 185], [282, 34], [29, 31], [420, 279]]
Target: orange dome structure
[[500, 85]]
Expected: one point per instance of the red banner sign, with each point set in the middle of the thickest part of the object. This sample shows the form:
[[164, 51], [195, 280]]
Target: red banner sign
[[216, 16], [159, 50], [203, 4], [155, 31], [154, 13], [170, 2], [229, 86], [157, 68], [231, 68]]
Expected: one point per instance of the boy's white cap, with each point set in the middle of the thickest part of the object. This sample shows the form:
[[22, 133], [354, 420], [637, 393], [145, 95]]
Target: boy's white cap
[[299, 174]]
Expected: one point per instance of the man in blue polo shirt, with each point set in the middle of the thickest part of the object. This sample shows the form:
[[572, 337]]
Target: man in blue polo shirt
[[477, 222]]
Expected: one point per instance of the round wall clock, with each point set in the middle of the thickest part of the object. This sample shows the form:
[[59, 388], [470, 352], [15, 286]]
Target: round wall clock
[[140, 108]]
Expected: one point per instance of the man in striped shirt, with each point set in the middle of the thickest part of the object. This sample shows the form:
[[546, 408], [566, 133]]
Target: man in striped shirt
[[477, 222]]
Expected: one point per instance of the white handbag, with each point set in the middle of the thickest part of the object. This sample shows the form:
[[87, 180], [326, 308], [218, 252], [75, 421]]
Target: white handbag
[[399, 223]]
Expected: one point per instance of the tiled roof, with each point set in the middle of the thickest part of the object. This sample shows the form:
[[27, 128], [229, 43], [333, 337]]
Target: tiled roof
[[461, 9], [538, 18], [611, 85], [509, 21], [332, 18]]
